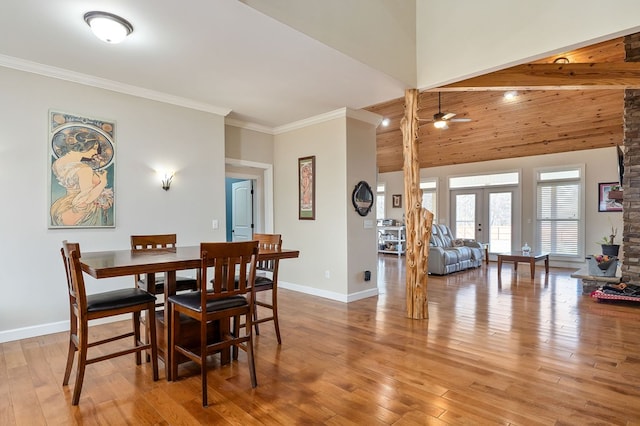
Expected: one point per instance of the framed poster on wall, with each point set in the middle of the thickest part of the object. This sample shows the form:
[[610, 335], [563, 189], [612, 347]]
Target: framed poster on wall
[[307, 188], [82, 167]]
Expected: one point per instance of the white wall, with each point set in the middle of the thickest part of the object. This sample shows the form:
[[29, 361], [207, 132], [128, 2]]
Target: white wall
[[361, 230], [148, 135], [335, 248], [475, 37], [379, 33], [600, 166], [322, 242]]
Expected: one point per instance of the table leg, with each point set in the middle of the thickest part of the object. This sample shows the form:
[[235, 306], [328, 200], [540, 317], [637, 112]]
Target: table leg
[[169, 289], [499, 265], [515, 266], [486, 254], [546, 264], [532, 266]]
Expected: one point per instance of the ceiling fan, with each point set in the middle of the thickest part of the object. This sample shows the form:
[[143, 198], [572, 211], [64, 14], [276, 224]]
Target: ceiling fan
[[441, 119]]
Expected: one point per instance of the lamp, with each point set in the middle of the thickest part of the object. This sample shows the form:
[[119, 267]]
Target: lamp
[[440, 124], [561, 60], [108, 27], [167, 177]]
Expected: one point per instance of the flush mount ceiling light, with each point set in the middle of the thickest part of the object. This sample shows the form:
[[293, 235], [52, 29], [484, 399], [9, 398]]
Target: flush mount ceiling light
[[510, 95], [108, 27]]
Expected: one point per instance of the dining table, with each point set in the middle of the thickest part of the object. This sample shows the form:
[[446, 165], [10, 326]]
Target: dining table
[[119, 263]]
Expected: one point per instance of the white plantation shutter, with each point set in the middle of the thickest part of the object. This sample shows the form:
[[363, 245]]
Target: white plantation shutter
[[558, 217]]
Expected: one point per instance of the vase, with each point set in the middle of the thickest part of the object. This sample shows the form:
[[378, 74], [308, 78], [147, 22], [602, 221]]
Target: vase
[[610, 249]]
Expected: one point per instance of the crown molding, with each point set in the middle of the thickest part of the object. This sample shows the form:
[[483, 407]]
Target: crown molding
[[114, 86], [248, 125], [361, 115]]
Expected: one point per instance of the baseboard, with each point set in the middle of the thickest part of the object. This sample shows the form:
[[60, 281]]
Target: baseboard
[[50, 328], [345, 298], [57, 327]]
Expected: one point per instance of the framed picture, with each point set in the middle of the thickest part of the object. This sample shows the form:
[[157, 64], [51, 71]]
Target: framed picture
[[608, 201], [307, 188], [396, 200], [81, 171]]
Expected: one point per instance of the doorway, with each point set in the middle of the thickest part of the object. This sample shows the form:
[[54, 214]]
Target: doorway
[[261, 175], [487, 215]]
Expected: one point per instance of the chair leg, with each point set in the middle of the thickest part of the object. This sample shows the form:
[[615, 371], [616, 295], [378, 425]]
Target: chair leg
[[152, 338], [203, 361], [175, 321], [73, 331], [136, 335], [255, 319], [236, 333], [274, 308], [70, 356], [252, 365], [83, 335]]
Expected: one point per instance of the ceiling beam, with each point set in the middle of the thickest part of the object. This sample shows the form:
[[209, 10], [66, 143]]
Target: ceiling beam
[[618, 75]]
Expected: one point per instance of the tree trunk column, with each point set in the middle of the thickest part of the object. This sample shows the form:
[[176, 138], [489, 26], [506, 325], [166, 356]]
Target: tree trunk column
[[417, 220]]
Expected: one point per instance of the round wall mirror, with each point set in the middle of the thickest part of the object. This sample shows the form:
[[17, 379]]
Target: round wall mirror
[[362, 198]]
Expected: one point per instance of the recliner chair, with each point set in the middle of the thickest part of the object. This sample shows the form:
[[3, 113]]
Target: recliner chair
[[447, 254]]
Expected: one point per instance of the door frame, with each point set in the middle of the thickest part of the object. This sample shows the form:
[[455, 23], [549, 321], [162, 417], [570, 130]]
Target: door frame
[[262, 173]]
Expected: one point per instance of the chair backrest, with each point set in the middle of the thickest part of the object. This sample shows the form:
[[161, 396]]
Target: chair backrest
[[234, 269], [157, 242], [446, 236], [75, 281], [153, 242], [268, 242]]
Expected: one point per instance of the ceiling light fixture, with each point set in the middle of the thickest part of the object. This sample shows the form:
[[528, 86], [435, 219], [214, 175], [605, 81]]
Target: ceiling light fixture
[[561, 60], [385, 122], [510, 95], [440, 124], [108, 27]]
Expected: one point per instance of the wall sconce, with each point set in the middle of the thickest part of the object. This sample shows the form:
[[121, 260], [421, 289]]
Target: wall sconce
[[166, 180]]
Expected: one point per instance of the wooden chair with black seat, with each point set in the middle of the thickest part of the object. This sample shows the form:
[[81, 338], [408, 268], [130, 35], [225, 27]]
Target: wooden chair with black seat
[[265, 282], [227, 296], [159, 243], [84, 308]]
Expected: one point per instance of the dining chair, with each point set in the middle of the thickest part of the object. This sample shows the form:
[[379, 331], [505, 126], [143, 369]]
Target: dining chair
[[264, 282], [84, 308], [222, 299], [159, 243]]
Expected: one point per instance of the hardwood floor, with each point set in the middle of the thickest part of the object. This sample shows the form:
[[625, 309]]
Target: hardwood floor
[[516, 351]]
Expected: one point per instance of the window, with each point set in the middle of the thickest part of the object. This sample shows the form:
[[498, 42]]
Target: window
[[429, 197], [559, 223], [380, 201]]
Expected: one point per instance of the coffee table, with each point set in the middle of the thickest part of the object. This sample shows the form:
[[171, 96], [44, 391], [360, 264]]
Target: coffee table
[[519, 256]]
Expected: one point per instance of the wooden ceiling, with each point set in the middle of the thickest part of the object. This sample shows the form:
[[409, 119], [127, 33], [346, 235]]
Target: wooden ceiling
[[549, 119]]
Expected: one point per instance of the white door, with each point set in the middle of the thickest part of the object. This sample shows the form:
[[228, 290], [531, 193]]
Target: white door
[[242, 211], [486, 215]]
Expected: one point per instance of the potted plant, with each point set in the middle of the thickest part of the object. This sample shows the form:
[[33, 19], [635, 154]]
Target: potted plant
[[607, 243]]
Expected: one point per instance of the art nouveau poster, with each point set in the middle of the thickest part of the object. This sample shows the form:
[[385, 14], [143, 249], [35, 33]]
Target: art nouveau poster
[[82, 166]]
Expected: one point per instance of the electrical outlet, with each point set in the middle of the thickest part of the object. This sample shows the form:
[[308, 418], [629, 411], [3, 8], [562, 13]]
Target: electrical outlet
[[327, 274], [215, 224]]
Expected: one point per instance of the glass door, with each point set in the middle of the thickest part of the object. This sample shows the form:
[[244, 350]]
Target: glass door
[[485, 215]]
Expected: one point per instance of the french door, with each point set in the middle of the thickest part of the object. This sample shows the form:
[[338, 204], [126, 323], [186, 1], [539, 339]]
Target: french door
[[486, 215]]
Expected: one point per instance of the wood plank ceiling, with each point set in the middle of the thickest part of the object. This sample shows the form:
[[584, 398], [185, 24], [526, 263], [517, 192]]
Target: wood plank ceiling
[[535, 122]]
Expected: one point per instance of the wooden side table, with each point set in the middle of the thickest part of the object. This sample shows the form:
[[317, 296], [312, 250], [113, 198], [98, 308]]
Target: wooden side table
[[518, 256]]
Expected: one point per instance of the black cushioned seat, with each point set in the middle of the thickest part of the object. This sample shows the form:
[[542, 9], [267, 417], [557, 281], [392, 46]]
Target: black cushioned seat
[[192, 301], [117, 299]]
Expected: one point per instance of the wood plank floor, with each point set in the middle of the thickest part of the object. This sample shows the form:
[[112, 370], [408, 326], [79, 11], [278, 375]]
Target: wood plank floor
[[511, 352]]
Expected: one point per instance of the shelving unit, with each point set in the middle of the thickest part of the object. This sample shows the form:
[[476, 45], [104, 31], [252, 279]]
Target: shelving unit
[[391, 239]]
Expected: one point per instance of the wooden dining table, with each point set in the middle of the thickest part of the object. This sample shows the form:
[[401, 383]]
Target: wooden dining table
[[119, 263]]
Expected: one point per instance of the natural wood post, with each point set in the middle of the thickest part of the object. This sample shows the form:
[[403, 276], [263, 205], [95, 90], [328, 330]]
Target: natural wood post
[[417, 220]]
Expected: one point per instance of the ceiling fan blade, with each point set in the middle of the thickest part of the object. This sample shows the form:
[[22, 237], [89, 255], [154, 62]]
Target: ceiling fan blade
[[448, 116], [461, 120]]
